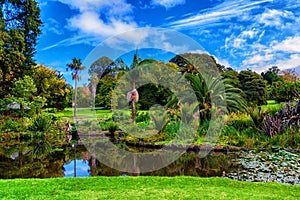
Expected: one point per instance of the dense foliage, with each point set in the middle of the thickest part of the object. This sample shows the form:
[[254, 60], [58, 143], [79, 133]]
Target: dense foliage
[[27, 88], [19, 28]]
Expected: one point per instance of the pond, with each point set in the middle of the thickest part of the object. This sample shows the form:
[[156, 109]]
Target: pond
[[54, 157]]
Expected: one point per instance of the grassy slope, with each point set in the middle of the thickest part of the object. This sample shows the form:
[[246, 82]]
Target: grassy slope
[[143, 188]]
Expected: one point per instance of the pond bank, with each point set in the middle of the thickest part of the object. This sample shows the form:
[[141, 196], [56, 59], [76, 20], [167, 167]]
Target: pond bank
[[188, 147]]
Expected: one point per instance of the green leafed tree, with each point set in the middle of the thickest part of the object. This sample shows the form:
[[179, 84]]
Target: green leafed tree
[[104, 91], [23, 91], [272, 75], [231, 77], [254, 87], [52, 86], [101, 67], [19, 29]]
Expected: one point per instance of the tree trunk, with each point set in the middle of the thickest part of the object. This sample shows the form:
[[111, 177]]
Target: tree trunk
[[133, 106], [133, 110], [94, 87], [75, 98], [22, 109]]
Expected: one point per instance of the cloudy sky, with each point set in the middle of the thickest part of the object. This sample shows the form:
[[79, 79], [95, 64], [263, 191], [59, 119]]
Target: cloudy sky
[[253, 34]]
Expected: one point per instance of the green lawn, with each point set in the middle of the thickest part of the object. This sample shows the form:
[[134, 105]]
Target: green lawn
[[143, 188], [272, 105], [83, 112]]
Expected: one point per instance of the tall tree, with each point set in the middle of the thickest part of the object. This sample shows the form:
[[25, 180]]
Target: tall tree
[[194, 63], [101, 67], [19, 28], [254, 87], [104, 91], [272, 75], [94, 80], [231, 77], [76, 66]]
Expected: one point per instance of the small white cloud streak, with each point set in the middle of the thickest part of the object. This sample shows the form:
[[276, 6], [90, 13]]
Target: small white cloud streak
[[167, 3], [238, 42], [250, 34], [223, 11]]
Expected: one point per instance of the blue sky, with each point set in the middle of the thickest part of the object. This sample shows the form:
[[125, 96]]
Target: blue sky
[[241, 34]]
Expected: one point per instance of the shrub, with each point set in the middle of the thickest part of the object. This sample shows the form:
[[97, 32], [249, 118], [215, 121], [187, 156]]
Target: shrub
[[11, 125], [112, 127], [40, 124], [288, 139], [240, 121], [171, 129], [142, 117], [203, 128]]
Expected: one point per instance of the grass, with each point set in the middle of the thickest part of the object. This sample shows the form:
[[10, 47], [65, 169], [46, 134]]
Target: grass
[[143, 188], [272, 105]]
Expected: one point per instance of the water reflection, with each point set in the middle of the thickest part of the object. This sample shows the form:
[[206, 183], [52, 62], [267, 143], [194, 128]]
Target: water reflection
[[82, 169], [35, 159], [20, 159]]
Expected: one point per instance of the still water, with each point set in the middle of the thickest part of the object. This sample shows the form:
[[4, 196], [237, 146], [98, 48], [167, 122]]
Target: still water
[[56, 158]]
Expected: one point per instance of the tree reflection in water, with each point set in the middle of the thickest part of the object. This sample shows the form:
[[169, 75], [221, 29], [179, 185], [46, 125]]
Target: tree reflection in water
[[46, 157]]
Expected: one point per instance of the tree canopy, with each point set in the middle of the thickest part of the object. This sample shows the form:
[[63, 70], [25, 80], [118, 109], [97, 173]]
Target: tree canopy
[[19, 29]]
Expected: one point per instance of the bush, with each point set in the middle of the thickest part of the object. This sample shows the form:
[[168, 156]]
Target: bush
[[240, 121], [202, 131], [288, 139], [112, 127], [171, 129], [142, 117], [40, 124], [11, 125]]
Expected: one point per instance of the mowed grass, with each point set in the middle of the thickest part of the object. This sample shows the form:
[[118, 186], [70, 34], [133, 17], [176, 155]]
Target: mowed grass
[[143, 188], [84, 112], [272, 105]]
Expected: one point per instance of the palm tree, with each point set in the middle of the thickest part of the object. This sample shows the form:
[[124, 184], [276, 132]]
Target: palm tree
[[76, 66], [213, 88]]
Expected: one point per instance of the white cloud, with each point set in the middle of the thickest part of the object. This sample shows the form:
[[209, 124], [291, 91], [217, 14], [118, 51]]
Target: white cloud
[[223, 62], [238, 42], [290, 45], [116, 12], [89, 23], [291, 62], [250, 34], [168, 3], [222, 12], [274, 17], [97, 20], [258, 59], [112, 6], [53, 26]]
